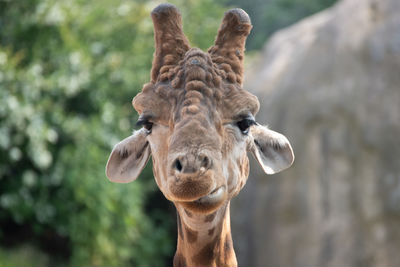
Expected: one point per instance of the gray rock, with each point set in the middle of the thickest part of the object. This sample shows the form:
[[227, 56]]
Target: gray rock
[[331, 84]]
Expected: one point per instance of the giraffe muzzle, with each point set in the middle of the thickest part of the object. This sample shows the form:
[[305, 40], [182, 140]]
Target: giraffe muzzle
[[191, 186]]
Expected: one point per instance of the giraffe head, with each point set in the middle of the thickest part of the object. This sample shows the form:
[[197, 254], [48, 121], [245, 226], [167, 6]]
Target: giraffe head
[[198, 122]]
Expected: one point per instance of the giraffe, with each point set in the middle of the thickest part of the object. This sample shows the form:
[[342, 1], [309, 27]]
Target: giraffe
[[198, 125]]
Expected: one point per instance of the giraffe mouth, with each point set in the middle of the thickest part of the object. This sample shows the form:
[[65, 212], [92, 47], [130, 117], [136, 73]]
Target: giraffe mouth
[[207, 203], [214, 197]]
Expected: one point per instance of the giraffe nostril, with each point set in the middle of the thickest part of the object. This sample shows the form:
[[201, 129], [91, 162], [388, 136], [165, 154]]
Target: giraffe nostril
[[191, 164], [205, 162], [178, 165]]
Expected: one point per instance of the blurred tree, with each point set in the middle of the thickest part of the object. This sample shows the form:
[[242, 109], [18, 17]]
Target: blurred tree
[[267, 16], [68, 70]]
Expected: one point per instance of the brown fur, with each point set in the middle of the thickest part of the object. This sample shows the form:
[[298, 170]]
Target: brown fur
[[194, 100], [206, 255], [210, 218], [179, 260], [191, 235], [180, 231], [189, 214]]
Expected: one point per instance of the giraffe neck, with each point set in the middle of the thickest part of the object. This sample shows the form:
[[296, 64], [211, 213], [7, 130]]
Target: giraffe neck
[[204, 239]]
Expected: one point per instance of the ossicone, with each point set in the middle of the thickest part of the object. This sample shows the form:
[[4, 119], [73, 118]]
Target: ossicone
[[171, 43], [229, 45]]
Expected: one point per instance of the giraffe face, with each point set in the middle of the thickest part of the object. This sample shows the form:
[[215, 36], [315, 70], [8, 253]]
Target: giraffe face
[[198, 130], [198, 122]]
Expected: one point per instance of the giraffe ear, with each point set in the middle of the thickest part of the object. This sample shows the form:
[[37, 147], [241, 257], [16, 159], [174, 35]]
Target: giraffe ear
[[128, 158], [272, 150]]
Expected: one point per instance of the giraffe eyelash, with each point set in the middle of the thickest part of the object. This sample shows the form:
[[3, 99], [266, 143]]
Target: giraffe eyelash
[[145, 123]]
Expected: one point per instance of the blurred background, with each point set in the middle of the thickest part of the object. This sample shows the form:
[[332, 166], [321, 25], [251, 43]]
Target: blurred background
[[329, 81]]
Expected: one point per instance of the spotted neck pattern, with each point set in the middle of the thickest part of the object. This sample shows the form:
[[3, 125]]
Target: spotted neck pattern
[[204, 239]]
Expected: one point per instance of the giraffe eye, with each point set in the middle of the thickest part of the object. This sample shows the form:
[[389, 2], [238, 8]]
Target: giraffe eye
[[145, 123], [245, 124]]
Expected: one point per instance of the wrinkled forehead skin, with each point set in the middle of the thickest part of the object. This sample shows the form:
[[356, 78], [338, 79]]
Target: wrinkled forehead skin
[[187, 83], [195, 89]]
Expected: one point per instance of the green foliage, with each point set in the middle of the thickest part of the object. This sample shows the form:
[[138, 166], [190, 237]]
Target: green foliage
[[20, 256], [68, 70], [271, 15]]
